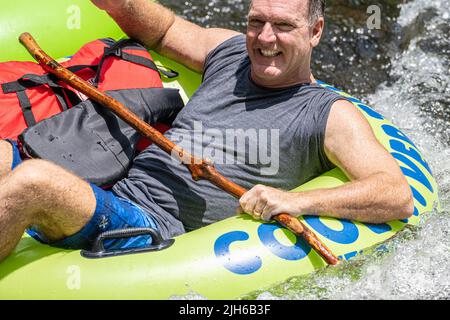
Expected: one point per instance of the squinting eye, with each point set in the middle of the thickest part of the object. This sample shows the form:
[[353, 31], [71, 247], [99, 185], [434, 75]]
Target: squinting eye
[[255, 23], [285, 26]]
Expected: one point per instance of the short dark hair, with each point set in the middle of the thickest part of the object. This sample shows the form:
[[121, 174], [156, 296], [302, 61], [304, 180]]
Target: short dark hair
[[316, 10]]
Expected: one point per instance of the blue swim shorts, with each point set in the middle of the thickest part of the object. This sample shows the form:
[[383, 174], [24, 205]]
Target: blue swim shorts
[[16, 159], [111, 213]]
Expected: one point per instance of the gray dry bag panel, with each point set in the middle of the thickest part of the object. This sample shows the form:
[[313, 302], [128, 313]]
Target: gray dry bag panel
[[91, 141]]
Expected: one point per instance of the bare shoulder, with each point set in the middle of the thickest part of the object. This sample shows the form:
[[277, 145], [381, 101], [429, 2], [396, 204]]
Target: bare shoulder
[[350, 142], [345, 116], [347, 123], [190, 44]]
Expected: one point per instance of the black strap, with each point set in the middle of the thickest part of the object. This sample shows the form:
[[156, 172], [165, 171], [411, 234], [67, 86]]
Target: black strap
[[59, 93], [80, 67], [169, 73], [33, 80], [71, 97], [135, 59], [108, 51], [26, 82], [25, 105], [117, 50]]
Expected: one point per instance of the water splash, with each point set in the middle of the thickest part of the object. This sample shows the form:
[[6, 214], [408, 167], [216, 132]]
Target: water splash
[[192, 295], [411, 10], [412, 265]]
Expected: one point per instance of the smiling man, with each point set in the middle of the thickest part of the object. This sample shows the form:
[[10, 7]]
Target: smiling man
[[258, 83], [280, 38]]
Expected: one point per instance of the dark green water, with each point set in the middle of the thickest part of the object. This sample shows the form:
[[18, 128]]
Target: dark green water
[[403, 71]]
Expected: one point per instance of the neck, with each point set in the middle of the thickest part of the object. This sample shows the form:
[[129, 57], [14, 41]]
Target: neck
[[307, 78]]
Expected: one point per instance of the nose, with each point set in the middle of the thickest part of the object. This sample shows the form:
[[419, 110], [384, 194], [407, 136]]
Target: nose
[[267, 35]]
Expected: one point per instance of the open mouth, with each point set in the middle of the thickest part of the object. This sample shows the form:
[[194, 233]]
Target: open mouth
[[269, 53]]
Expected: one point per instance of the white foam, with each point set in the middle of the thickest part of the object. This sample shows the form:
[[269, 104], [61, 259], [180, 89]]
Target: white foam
[[410, 10]]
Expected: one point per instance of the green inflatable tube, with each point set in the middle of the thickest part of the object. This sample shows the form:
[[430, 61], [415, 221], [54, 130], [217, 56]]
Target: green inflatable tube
[[222, 261]]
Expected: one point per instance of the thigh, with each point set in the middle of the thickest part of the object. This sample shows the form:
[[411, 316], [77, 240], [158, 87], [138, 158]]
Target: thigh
[[53, 198], [9, 154]]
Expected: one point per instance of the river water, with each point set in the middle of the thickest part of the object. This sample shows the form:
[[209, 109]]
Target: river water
[[403, 71]]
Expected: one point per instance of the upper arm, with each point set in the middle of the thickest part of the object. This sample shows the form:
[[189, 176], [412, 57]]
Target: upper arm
[[352, 146], [190, 44]]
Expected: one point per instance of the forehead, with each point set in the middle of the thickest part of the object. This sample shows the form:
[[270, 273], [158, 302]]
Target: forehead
[[293, 9]]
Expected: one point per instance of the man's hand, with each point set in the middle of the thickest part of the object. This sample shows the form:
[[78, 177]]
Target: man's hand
[[264, 202], [110, 5]]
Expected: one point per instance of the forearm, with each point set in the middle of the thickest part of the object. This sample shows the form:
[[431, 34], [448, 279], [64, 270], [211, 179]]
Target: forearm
[[144, 20], [376, 199]]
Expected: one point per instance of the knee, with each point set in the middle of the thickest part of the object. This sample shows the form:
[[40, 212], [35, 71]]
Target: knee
[[34, 174], [6, 157]]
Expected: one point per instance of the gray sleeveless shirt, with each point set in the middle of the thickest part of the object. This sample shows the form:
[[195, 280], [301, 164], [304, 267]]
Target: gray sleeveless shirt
[[253, 134]]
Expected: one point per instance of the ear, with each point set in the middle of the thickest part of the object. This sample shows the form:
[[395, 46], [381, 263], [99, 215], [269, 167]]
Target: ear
[[316, 31]]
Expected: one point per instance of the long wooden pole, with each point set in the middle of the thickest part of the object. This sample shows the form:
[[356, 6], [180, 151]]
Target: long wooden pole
[[200, 168]]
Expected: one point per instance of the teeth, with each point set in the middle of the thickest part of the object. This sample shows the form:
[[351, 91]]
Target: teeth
[[269, 53]]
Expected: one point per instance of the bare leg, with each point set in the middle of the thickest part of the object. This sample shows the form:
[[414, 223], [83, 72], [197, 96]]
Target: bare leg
[[6, 158], [40, 193]]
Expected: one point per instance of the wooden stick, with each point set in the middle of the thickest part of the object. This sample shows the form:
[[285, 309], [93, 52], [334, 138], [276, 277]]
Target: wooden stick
[[200, 168]]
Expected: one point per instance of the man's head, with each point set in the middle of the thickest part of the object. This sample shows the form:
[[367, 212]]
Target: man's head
[[280, 37]]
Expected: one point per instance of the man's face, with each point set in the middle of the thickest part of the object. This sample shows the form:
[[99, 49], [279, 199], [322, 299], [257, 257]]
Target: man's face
[[280, 42]]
